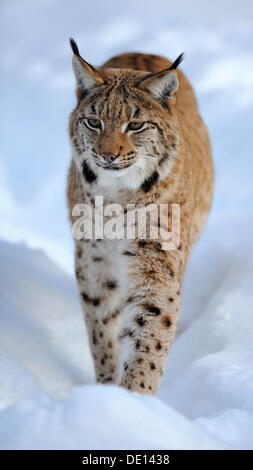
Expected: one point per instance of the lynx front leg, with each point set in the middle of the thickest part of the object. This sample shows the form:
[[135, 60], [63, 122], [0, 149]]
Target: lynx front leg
[[150, 318], [100, 294], [103, 334]]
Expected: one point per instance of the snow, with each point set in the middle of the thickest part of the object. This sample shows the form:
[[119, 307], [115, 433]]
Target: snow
[[48, 398], [96, 417]]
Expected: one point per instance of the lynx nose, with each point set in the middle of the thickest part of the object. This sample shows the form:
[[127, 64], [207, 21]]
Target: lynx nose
[[109, 157]]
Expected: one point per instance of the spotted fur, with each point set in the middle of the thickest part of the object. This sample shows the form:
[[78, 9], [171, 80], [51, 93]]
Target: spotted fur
[[130, 290]]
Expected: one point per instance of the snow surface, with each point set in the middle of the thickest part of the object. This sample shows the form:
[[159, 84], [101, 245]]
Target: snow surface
[[48, 398]]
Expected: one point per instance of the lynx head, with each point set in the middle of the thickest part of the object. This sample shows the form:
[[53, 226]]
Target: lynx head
[[124, 129]]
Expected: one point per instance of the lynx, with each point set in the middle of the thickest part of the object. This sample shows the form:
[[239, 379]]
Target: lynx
[[137, 139]]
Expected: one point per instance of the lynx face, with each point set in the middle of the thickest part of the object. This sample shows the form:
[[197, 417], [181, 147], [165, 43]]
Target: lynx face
[[124, 129]]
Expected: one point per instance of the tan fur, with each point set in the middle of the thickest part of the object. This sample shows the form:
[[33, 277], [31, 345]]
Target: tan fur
[[132, 322]]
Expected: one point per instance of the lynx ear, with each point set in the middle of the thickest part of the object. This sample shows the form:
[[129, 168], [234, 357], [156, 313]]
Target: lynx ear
[[162, 85], [87, 76]]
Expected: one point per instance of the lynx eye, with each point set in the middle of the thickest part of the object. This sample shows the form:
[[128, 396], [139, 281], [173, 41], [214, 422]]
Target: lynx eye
[[135, 126], [93, 123]]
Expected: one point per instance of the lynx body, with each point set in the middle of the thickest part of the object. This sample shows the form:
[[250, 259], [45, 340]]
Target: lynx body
[[137, 138]]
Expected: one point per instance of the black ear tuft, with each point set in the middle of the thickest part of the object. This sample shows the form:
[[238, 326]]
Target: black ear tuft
[[177, 61], [74, 47]]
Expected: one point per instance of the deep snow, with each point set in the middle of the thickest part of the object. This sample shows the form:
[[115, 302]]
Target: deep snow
[[48, 396]]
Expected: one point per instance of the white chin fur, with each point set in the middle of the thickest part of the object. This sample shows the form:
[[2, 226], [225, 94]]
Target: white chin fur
[[116, 173], [130, 178]]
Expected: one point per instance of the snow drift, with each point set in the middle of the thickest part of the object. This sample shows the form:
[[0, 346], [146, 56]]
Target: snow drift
[[48, 397]]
